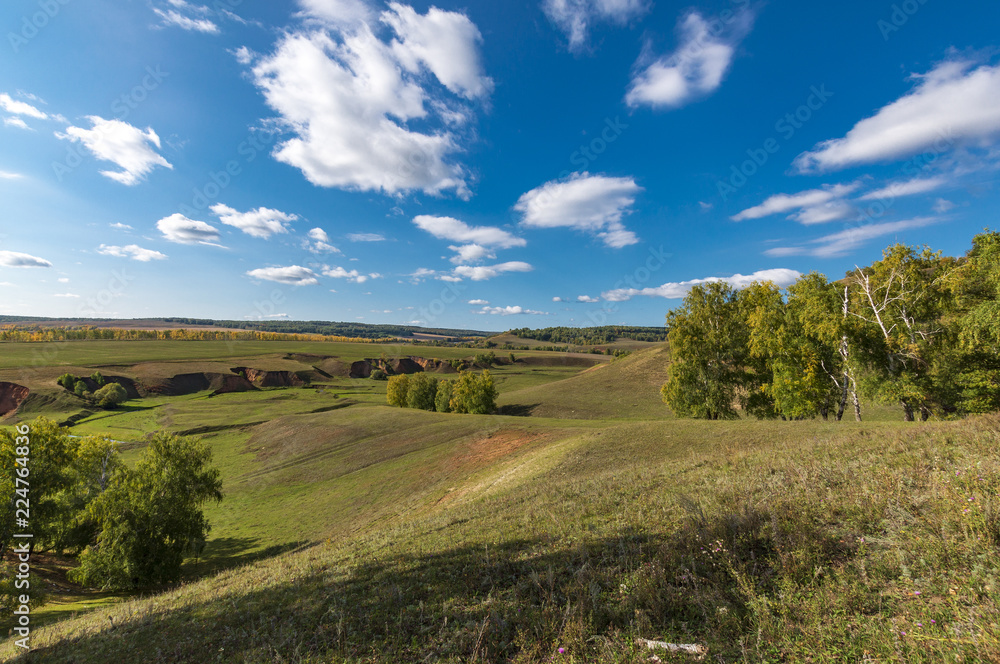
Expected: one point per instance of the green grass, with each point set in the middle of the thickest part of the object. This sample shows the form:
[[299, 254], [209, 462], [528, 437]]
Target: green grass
[[376, 534]]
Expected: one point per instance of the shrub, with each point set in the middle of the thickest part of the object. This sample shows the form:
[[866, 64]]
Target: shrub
[[395, 393], [67, 381], [110, 395], [421, 392], [80, 388], [378, 374], [98, 378]]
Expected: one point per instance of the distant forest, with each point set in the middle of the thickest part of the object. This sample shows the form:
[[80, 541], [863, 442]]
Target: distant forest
[[589, 336], [325, 328]]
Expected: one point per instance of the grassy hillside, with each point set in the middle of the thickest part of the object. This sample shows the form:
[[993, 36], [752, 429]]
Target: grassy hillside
[[354, 532], [764, 541], [627, 388]]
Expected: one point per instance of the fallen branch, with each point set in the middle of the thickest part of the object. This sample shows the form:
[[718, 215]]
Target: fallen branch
[[689, 648]]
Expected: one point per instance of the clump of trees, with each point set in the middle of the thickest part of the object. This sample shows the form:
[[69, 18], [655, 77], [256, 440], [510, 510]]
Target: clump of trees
[[470, 393], [915, 329], [132, 527], [107, 395]]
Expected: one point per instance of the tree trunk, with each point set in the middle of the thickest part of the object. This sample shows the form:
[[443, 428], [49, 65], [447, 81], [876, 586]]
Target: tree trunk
[[907, 410], [843, 396], [925, 413]]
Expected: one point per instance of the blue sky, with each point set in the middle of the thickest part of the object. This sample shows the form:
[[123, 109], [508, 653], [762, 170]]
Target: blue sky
[[489, 165]]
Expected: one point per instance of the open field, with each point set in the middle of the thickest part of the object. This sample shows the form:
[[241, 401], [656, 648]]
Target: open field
[[585, 518]]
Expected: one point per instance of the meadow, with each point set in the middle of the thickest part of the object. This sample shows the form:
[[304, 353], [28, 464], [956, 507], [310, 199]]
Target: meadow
[[581, 518]]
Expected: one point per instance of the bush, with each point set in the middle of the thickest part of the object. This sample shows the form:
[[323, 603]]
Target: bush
[[110, 395], [421, 392], [442, 399], [474, 394], [378, 374], [67, 381], [98, 378], [80, 388], [395, 393]]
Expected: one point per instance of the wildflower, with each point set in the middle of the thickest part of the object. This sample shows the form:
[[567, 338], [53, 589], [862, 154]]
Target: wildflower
[[916, 592], [920, 624], [562, 651], [933, 622]]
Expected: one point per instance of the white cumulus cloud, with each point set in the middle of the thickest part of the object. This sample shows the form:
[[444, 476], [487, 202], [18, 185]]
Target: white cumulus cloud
[[698, 66], [16, 107], [677, 290], [351, 98], [590, 203], [262, 222], [954, 104], [449, 228], [17, 259], [130, 148], [293, 275], [133, 251], [180, 229], [351, 275], [484, 272]]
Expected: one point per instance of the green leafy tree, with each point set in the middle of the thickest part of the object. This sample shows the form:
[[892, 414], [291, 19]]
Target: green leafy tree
[[95, 461], [98, 378], [149, 518], [68, 381], [898, 300], [397, 389], [474, 394], [421, 391], [442, 399], [378, 374], [80, 389], [708, 352], [50, 451], [110, 396]]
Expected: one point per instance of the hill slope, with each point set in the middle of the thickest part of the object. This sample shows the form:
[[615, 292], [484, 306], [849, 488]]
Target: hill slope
[[764, 541]]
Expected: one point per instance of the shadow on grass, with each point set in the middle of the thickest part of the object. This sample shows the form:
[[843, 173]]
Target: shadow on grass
[[227, 552], [517, 410], [482, 603]]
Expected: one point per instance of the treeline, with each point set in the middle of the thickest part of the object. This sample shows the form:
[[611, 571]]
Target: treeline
[[131, 525], [915, 329], [22, 334], [328, 328], [589, 336]]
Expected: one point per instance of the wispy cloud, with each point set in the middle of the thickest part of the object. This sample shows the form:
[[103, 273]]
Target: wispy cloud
[[906, 188], [677, 290], [954, 103], [814, 206], [846, 241], [365, 237], [511, 311], [575, 17], [133, 251], [350, 275]]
